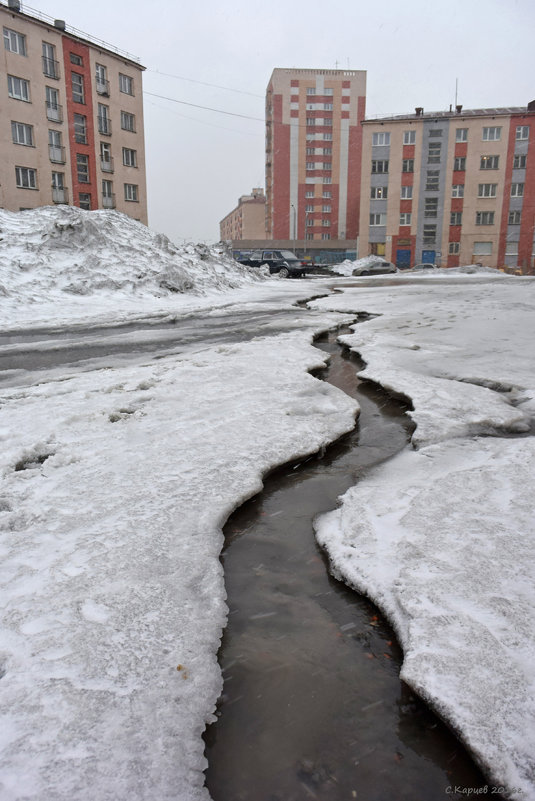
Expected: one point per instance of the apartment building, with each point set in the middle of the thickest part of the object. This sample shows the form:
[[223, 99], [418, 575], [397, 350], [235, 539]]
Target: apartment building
[[313, 155], [451, 188], [247, 219], [71, 127]]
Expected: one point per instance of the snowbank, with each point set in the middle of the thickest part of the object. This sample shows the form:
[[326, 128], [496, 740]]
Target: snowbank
[[443, 538]]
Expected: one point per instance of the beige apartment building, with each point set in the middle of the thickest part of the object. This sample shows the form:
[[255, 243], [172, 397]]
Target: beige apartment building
[[247, 220], [71, 123], [450, 188]]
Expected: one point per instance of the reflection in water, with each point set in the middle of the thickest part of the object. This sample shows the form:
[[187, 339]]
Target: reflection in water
[[312, 705]]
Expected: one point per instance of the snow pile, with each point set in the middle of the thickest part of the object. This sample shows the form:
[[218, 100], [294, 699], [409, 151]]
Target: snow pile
[[346, 267], [443, 538], [51, 252]]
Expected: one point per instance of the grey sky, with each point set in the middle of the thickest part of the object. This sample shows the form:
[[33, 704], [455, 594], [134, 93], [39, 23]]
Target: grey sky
[[199, 162]]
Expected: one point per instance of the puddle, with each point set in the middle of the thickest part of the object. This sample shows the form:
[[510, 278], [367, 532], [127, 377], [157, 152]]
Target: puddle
[[312, 705]]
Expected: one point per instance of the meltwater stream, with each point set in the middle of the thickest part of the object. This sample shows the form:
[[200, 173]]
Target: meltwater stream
[[312, 706]]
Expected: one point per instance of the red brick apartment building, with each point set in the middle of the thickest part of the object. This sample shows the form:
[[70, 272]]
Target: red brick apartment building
[[71, 124], [451, 188], [313, 155]]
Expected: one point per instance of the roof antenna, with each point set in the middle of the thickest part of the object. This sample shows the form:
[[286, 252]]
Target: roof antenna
[[456, 89]]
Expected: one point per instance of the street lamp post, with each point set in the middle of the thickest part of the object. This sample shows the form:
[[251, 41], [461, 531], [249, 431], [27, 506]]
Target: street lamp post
[[294, 224]]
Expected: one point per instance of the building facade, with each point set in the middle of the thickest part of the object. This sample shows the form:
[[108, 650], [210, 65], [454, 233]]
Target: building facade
[[313, 154], [450, 188], [71, 121], [247, 220]]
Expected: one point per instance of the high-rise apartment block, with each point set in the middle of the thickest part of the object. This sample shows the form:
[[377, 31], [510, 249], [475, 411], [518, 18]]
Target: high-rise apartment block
[[247, 220], [450, 188], [71, 125], [313, 153]]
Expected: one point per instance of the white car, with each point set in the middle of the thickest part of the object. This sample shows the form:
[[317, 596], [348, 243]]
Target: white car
[[378, 267]]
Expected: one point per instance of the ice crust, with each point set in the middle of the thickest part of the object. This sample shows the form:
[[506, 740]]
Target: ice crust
[[442, 537]]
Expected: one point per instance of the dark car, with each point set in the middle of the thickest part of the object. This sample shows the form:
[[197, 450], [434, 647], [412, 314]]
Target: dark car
[[284, 263], [378, 267]]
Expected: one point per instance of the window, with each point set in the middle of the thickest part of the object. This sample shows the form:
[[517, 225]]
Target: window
[[22, 134], [107, 188], [84, 201], [129, 157], [457, 190], [487, 190], [311, 120], [53, 109], [461, 135], [432, 181], [77, 82], [327, 179], [309, 236], [76, 59], [492, 134], [482, 249], [406, 192], [519, 162], [309, 193], [26, 177], [484, 218], [50, 65], [311, 90], [327, 120], [309, 207], [327, 106], [522, 131], [327, 165], [80, 129], [433, 155], [18, 88], [514, 217], [101, 80], [379, 192], [326, 209], [459, 164], [128, 121], [55, 150], [381, 138], [511, 249], [328, 92], [454, 248], [409, 137], [126, 84], [310, 165], [310, 151], [436, 132], [58, 180], [430, 234], [378, 219], [82, 168], [327, 151], [489, 162], [130, 192], [104, 122], [327, 193], [431, 207], [408, 165], [325, 236], [379, 166], [14, 42], [327, 137], [326, 223], [517, 190], [456, 218], [309, 223], [405, 218]]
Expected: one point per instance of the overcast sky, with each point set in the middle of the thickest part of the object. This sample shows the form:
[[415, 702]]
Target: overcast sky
[[199, 162]]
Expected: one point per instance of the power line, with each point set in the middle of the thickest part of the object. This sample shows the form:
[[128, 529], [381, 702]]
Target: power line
[[207, 108], [205, 83]]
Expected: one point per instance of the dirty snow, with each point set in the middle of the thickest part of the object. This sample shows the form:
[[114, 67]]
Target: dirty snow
[[442, 537]]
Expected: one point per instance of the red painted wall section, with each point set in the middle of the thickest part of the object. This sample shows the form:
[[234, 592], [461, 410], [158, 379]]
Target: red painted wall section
[[354, 169], [69, 46], [527, 226], [281, 173], [403, 237]]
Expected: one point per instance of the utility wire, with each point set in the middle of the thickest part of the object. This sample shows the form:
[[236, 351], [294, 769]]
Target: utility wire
[[207, 108], [205, 83]]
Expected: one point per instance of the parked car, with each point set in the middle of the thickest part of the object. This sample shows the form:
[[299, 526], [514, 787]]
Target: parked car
[[284, 263], [378, 267], [425, 266]]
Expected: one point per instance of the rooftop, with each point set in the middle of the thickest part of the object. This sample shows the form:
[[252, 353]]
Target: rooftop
[[26, 11], [459, 111]]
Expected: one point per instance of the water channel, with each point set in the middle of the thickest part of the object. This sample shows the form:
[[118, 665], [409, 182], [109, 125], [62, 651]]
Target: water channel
[[312, 705]]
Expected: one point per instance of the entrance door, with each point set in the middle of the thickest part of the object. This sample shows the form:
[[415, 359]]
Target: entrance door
[[429, 256], [403, 259]]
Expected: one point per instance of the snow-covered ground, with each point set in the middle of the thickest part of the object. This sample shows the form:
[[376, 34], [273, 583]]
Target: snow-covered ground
[[116, 479], [442, 537]]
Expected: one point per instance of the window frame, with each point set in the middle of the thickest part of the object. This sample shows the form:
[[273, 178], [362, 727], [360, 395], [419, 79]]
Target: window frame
[[457, 190], [517, 189], [126, 80], [11, 36], [78, 91], [405, 218], [128, 116], [29, 172], [486, 133], [129, 150], [82, 175], [520, 129], [381, 135], [487, 190], [134, 193], [461, 134], [24, 83], [459, 164], [16, 128], [485, 217], [409, 137], [489, 162]]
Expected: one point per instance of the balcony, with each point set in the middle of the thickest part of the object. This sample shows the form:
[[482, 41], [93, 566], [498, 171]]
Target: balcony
[[56, 154], [102, 87], [50, 67], [54, 112], [60, 194], [106, 165], [104, 126], [108, 201]]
